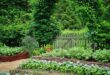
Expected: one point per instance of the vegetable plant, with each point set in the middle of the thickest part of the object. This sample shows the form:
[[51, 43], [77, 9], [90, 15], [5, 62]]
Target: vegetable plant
[[102, 55], [75, 68], [10, 51]]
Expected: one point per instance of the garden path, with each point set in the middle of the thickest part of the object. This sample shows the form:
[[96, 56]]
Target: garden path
[[7, 66]]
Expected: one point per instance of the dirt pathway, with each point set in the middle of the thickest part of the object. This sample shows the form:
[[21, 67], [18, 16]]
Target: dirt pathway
[[7, 66]]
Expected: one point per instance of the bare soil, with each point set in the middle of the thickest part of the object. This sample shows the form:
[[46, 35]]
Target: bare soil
[[38, 72], [7, 66]]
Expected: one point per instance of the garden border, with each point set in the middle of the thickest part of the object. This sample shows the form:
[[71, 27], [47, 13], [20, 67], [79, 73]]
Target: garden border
[[59, 59], [18, 56]]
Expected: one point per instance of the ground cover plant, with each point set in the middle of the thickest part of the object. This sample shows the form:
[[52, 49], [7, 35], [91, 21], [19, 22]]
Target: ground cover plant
[[102, 55], [9, 51], [81, 53], [75, 68]]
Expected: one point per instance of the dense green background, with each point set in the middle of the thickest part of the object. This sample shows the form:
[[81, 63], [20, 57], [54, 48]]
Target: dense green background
[[47, 17]]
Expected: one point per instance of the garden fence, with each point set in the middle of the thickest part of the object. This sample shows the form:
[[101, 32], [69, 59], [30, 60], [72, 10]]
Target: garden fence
[[66, 41]]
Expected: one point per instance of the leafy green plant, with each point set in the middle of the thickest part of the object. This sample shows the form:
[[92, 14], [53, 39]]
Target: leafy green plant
[[10, 51], [48, 47], [35, 53], [29, 44], [77, 52], [81, 53], [38, 51], [102, 55], [56, 53], [75, 68]]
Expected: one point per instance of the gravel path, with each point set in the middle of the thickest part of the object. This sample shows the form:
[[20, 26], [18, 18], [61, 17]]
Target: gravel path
[[7, 66]]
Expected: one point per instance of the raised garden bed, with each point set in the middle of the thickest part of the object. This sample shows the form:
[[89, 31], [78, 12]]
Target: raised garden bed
[[59, 59], [18, 56], [65, 67]]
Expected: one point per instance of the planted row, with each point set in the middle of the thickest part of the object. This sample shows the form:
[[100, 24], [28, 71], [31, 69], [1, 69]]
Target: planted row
[[69, 67], [82, 54], [9, 51]]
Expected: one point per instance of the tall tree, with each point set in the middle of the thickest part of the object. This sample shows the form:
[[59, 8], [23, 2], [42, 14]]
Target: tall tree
[[44, 30]]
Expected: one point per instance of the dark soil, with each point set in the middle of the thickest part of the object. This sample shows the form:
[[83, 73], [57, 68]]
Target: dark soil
[[37, 72], [59, 59]]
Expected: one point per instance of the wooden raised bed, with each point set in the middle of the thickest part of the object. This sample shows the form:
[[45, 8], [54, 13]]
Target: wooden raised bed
[[21, 55]]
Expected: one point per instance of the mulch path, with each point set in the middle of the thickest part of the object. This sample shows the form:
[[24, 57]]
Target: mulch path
[[59, 59]]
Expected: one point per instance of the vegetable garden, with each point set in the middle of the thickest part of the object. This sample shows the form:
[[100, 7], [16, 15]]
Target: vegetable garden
[[65, 37]]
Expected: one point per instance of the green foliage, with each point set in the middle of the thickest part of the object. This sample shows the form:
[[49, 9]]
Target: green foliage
[[29, 43], [56, 53], [14, 21], [38, 51], [102, 35], [44, 30], [11, 35], [52, 15], [100, 27], [81, 54], [35, 53], [10, 51], [11, 11], [69, 14], [82, 31], [1, 44], [74, 68], [102, 55]]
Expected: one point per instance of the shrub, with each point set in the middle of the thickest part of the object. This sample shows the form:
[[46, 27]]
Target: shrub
[[100, 26], [81, 53], [14, 19], [102, 55], [29, 44], [12, 10], [68, 17], [44, 30], [104, 34], [12, 35]]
